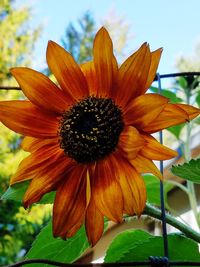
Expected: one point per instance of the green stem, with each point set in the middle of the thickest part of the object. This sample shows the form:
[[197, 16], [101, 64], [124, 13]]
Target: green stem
[[190, 185], [182, 187], [193, 201], [156, 213]]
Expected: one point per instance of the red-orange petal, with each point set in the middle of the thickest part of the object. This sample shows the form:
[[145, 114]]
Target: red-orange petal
[[104, 62], [94, 223], [40, 90], [132, 75], [171, 115], [67, 72], [41, 159], [77, 226], [144, 109], [155, 59], [73, 230], [46, 180], [132, 185], [144, 165], [90, 75], [192, 112], [71, 201], [138, 189], [128, 198], [25, 118], [32, 144], [106, 190], [130, 142], [154, 150]]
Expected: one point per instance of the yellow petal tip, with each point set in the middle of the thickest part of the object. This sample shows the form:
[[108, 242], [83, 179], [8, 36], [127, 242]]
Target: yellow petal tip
[[18, 70], [51, 44], [14, 71]]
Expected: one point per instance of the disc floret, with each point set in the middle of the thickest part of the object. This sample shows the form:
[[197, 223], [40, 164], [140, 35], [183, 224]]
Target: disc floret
[[90, 129]]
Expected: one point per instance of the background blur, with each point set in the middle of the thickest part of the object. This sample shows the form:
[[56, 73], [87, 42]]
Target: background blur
[[26, 27], [173, 25]]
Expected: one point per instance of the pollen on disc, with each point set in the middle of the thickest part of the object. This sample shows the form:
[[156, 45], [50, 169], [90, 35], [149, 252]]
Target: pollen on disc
[[90, 129]]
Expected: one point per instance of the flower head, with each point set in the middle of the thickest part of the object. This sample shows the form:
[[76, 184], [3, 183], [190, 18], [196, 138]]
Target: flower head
[[90, 137]]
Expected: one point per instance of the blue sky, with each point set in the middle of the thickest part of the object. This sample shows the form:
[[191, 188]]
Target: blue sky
[[173, 25]]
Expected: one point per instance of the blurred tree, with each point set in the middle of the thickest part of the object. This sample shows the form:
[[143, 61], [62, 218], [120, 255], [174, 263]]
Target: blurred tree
[[189, 62], [192, 83], [16, 46], [17, 38], [78, 39], [119, 30], [79, 42]]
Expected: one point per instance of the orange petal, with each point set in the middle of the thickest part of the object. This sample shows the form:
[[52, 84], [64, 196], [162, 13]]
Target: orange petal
[[40, 90], [28, 142], [77, 226], [70, 202], [132, 185], [90, 75], [67, 72], [133, 75], [32, 144], [171, 115], [106, 190], [154, 150], [128, 198], [155, 59], [36, 162], [73, 230], [138, 189], [144, 109], [46, 180], [25, 118], [104, 62], [130, 142], [94, 223], [192, 112], [144, 165]]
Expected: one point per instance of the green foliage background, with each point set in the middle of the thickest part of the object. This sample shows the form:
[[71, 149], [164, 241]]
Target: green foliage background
[[17, 229]]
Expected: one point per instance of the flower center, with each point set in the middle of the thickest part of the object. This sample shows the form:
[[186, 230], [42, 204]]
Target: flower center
[[90, 129]]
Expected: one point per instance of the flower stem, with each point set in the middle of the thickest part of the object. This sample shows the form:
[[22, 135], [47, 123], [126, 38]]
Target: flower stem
[[182, 187], [193, 201], [190, 185], [156, 213]]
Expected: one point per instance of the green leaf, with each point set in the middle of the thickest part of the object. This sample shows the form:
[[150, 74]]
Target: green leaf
[[47, 247], [188, 171], [17, 191], [153, 189], [198, 99], [169, 94], [48, 198], [182, 82], [122, 243], [142, 245], [197, 120], [176, 130]]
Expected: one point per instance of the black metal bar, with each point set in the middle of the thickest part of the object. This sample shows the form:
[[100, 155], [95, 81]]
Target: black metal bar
[[163, 215], [162, 76], [10, 88], [107, 264], [178, 74]]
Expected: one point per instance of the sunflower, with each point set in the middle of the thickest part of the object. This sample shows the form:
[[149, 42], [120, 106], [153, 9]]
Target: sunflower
[[90, 137]]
